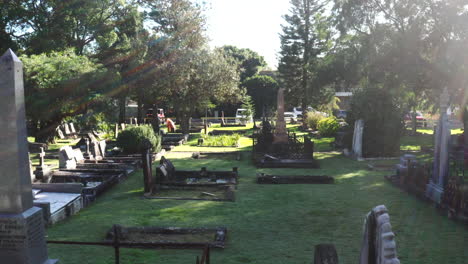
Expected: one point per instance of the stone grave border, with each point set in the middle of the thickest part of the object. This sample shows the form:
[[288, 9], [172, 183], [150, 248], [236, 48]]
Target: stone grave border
[[218, 240]]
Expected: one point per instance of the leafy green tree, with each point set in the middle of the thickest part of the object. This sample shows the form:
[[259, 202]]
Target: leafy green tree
[[304, 40], [59, 85], [249, 62], [263, 91]]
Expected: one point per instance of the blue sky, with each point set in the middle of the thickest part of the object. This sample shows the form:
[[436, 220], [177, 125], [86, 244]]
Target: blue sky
[[253, 24]]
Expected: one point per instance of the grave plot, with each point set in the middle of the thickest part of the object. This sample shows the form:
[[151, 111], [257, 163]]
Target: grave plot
[[227, 132], [167, 174], [73, 159], [93, 183], [171, 237], [308, 179], [170, 183], [411, 176], [95, 152], [232, 155], [277, 148], [58, 201], [170, 140]]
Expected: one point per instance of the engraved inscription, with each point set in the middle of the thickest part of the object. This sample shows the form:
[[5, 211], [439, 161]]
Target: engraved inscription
[[35, 229], [12, 235]]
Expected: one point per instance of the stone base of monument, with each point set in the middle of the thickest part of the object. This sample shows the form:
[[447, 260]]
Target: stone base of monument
[[23, 239], [42, 172], [434, 192], [58, 206]]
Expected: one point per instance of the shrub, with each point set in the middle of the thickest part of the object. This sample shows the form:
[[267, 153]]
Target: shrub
[[130, 140], [313, 118], [328, 127], [382, 115], [221, 140]]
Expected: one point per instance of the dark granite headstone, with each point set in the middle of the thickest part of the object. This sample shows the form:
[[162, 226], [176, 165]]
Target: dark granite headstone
[[22, 235]]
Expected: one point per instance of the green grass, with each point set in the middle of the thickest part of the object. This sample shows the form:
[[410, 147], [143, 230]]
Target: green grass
[[221, 140], [269, 223]]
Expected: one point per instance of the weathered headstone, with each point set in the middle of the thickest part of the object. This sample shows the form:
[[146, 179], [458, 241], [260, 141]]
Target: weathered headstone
[[22, 235], [357, 138], [147, 166], [88, 154], [72, 128], [67, 158], [435, 188], [122, 126], [66, 128], [102, 148], [378, 245], [60, 133], [116, 131], [280, 135], [42, 170]]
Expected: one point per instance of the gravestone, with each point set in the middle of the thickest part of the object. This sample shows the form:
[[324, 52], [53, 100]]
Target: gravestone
[[435, 188], [378, 245], [66, 128], [116, 131], [67, 158], [22, 235], [357, 138], [60, 133], [42, 171], [88, 154], [102, 148], [280, 136], [72, 128], [122, 126]]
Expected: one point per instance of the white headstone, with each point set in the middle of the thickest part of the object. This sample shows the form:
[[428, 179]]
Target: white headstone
[[357, 138]]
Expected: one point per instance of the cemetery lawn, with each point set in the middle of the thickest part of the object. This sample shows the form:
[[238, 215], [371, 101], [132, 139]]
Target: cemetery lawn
[[268, 223]]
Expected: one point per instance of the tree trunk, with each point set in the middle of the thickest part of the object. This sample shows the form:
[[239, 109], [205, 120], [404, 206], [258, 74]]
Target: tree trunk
[[46, 132], [414, 122], [122, 109], [184, 122], [140, 109]]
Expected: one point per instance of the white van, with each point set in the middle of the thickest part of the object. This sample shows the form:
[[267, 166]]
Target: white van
[[242, 118]]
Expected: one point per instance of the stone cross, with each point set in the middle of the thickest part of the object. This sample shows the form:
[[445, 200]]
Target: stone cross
[[41, 156], [22, 236], [87, 146], [440, 172], [280, 135]]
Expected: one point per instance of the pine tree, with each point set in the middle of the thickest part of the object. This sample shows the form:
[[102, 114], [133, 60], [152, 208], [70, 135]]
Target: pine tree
[[304, 39]]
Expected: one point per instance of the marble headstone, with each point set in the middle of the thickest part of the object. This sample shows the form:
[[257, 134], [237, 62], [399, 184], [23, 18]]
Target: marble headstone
[[357, 138], [435, 188], [22, 234]]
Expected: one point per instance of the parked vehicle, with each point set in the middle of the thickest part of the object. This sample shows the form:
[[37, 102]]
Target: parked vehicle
[[298, 111], [420, 119], [160, 113], [242, 116], [290, 117]]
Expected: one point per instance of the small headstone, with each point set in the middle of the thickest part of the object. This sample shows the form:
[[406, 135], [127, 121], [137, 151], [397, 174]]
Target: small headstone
[[102, 148], [42, 171], [116, 131], [60, 133], [122, 126], [67, 129], [67, 158], [72, 128], [79, 158]]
